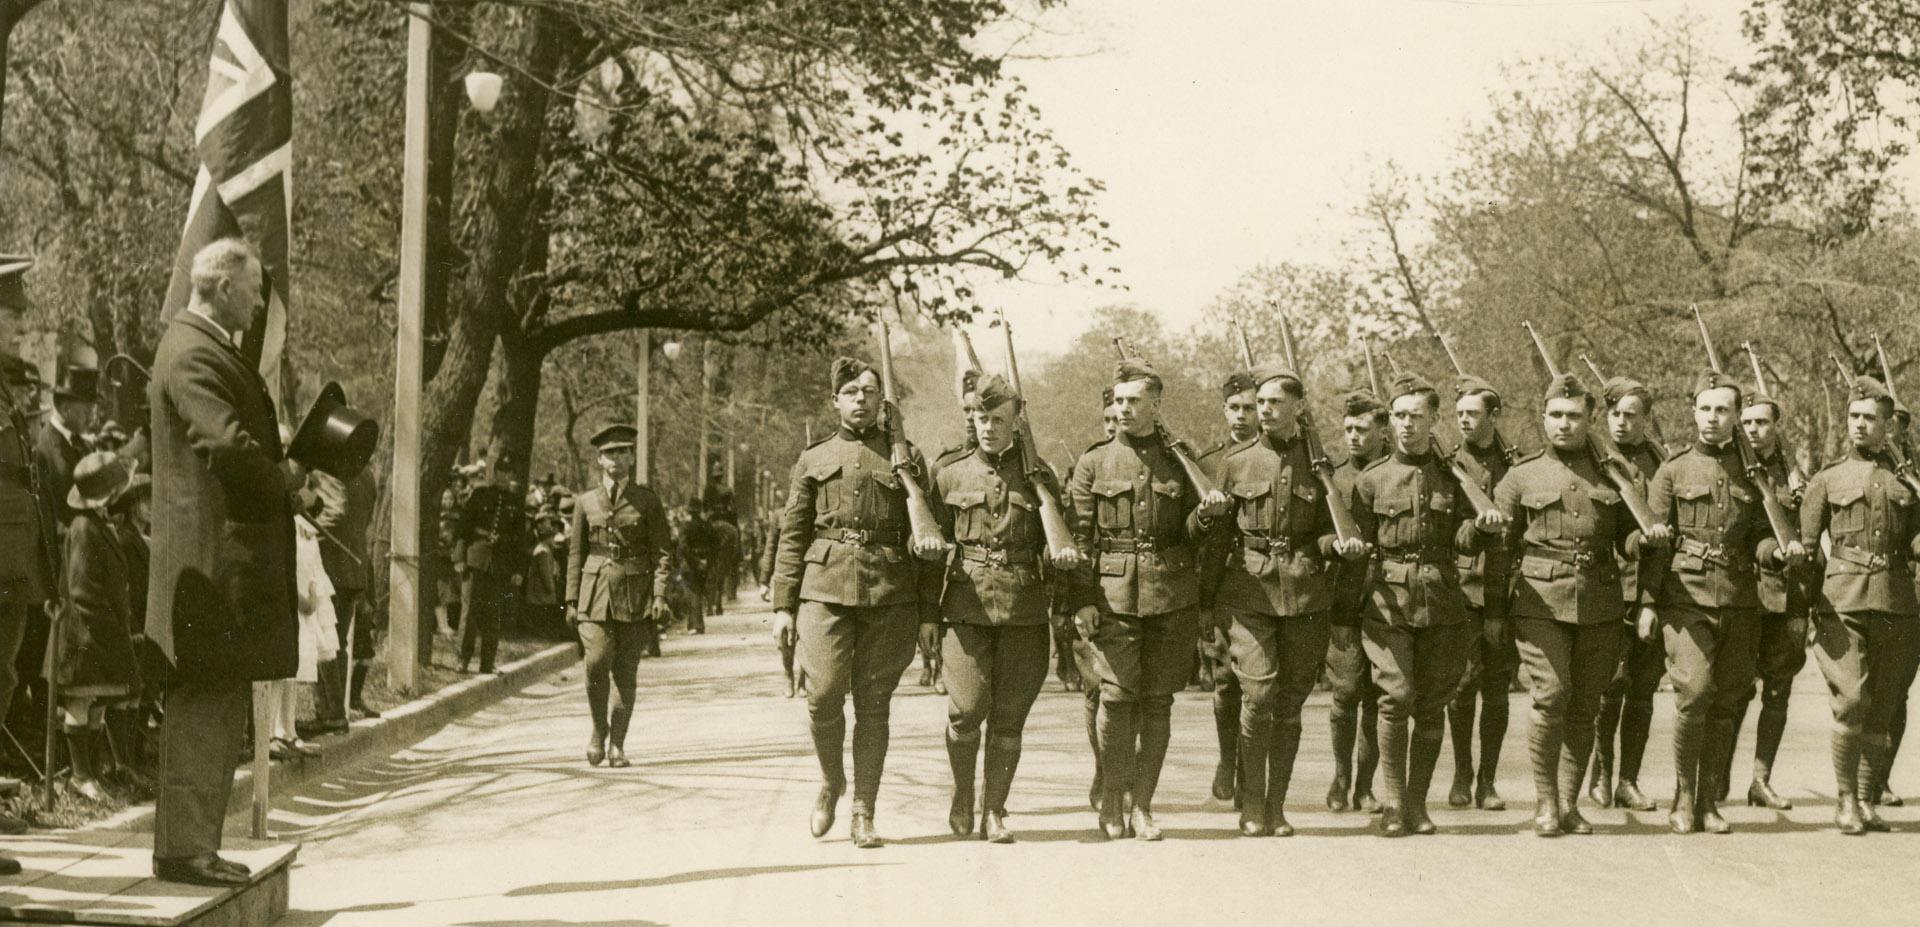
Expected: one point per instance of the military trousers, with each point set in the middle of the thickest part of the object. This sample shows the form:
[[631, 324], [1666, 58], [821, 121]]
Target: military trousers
[[611, 660], [200, 743], [1492, 661], [1627, 705], [1568, 668], [1276, 660], [1868, 659], [993, 673], [1712, 658], [1783, 653], [858, 651], [1141, 661], [1354, 711], [1417, 669]]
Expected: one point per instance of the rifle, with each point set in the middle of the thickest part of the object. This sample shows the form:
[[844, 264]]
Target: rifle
[[1246, 345], [1759, 375], [1209, 491], [1476, 497], [964, 360], [1053, 517], [1902, 459], [1373, 373], [1783, 530], [1344, 527], [921, 522], [1604, 450], [1499, 440]]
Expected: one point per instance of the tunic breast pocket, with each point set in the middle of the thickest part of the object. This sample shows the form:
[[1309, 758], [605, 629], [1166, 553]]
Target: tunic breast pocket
[[828, 487], [970, 516], [1394, 515], [1849, 510], [1544, 513], [1166, 505], [1693, 505], [1301, 511], [878, 493], [1113, 504], [1253, 505]]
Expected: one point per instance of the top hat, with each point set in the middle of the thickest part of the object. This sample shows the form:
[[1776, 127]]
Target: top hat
[[81, 383], [334, 437]]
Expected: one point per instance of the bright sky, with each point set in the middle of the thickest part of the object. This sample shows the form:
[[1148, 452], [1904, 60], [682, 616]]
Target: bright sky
[[1232, 132]]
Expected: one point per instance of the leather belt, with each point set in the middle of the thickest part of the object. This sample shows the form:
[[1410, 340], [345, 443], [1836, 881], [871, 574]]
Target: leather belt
[[1282, 545], [1582, 559], [612, 553], [1423, 555], [1715, 554], [996, 556], [1862, 557], [1128, 545], [864, 537]]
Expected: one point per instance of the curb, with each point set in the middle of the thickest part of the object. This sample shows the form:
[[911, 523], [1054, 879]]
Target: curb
[[396, 729]]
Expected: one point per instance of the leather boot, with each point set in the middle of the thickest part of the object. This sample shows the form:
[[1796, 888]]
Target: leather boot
[[1760, 794], [1573, 771], [862, 833], [1226, 726], [1627, 794], [1713, 763], [1425, 755], [1156, 731], [1097, 791], [1366, 756], [86, 778], [1460, 726], [1486, 795], [617, 737], [1687, 733], [963, 751], [1636, 723], [1003, 757], [1118, 735], [1767, 733], [1601, 791], [597, 745], [1255, 744], [1870, 785], [1286, 746], [829, 747], [1393, 759], [1544, 749], [1341, 729], [1845, 748]]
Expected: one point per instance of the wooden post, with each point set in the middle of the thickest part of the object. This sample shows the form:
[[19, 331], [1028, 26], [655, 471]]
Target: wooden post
[[703, 460], [263, 715], [642, 398], [404, 654]]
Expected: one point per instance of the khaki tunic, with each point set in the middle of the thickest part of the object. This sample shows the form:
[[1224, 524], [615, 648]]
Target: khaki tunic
[[1278, 534], [996, 574], [1135, 520], [1488, 568], [617, 563], [1413, 513], [1719, 528], [843, 537], [1871, 520], [1567, 531]]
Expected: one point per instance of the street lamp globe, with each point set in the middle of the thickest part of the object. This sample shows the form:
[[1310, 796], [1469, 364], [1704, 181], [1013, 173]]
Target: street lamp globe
[[671, 350], [483, 91]]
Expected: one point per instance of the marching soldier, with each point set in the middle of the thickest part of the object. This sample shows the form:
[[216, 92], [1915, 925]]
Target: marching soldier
[[1083, 655], [1237, 397], [619, 567], [1628, 703], [1491, 656], [1783, 615], [25, 583], [993, 603], [847, 583], [1273, 596], [1867, 638], [494, 537], [1353, 715], [1567, 535], [1708, 595], [1136, 521], [1416, 521], [1901, 432]]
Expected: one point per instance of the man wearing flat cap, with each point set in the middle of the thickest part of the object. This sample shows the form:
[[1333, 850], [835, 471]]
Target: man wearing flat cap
[[25, 578], [1866, 634], [1784, 602], [1238, 402], [1273, 595], [1353, 711], [1628, 704], [618, 571], [1136, 518], [849, 585], [994, 601], [1491, 657], [1708, 595], [1568, 530], [1417, 522]]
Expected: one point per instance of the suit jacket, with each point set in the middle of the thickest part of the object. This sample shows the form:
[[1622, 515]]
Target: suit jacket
[[220, 599], [347, 566], [56, 457], [22, 520]]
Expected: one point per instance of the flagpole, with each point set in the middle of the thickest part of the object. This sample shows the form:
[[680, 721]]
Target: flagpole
[[403, 576]]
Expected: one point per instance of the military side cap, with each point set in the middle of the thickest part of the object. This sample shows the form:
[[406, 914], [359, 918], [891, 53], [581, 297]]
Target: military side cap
[[1132, 369], [1273, 370], [1758, 398], [846, 370], [1618, 388], [1409, 384], [1865, 387], [1713, 379], [1236, 383], [1465, 385], [989, 391], [615, 437], [1359, 402], [1566, 386], [13, 292]]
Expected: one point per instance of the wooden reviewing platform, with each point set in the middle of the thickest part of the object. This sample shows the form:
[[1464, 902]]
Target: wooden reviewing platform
[[106, 877]]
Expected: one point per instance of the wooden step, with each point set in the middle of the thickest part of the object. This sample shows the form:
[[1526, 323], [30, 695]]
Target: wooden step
[[106, 877]]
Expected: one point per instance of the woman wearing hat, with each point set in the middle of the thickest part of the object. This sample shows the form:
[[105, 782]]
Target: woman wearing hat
[[95, 648]]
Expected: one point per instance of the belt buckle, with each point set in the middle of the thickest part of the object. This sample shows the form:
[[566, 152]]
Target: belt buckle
[[1582, 559], [996, 556], [858, 536], [1877, 561]]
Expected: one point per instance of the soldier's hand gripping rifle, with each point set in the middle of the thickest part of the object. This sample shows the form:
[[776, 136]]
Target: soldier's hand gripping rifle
[[1607, 453], [1210, 495], [1898, 449], [1345, 529], [1784, 532], [1053, 517], [927, 542], [1482, 503]]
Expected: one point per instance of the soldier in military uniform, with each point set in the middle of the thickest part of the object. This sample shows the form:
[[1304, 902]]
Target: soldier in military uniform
[[618, 569], [1867, 638], [1237, 397], [1083, 654], [1416, 522], [993, 603], [1136, 520], [1901, 432], [25, 582], [493, 533], [1568, 531], [1783, 614], [1628, 704], [1354, 711], [1274, 595], [845, 567], [1708, 595], [1491, 656]]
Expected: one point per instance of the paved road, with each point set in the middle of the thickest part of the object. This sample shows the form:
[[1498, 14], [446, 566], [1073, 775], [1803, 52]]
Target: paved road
[[497, 820]]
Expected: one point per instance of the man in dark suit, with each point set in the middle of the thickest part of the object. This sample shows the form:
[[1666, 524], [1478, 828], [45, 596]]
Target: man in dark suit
[[61, 440], [220, 599]]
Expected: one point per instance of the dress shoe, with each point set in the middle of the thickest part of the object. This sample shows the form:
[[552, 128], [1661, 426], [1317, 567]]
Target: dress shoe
[[1761, 795], [960, 815], [231, 866], [993, 827], [1223, 780], [1870, 816], [1546, 820], [1416, 819], [1142, 826], [197, 870], [1253, 825], [1366, 802], [1391, 824], [1461, 795], [823, 808], [1847, 814], [1277, 821], [1601, 791], [9, 866], [320, 728], [1487, 799], [1711, 821], [617, 757], [363, 712], [862, 832], [1888, 798], [1682, 819], [597, 750], [1337, 796], [1628, 795], [1573, 822]]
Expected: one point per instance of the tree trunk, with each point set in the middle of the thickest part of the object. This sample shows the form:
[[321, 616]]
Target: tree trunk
[[515, 413], [448, 103]]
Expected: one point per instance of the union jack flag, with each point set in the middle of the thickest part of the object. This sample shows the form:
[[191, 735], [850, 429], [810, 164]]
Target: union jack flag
[[244, 143]]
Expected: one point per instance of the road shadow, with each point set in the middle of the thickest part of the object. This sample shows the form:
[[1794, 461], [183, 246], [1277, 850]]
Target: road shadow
[[679, 878]]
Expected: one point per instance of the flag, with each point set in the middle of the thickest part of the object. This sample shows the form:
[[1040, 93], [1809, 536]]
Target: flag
[[244, 145]]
